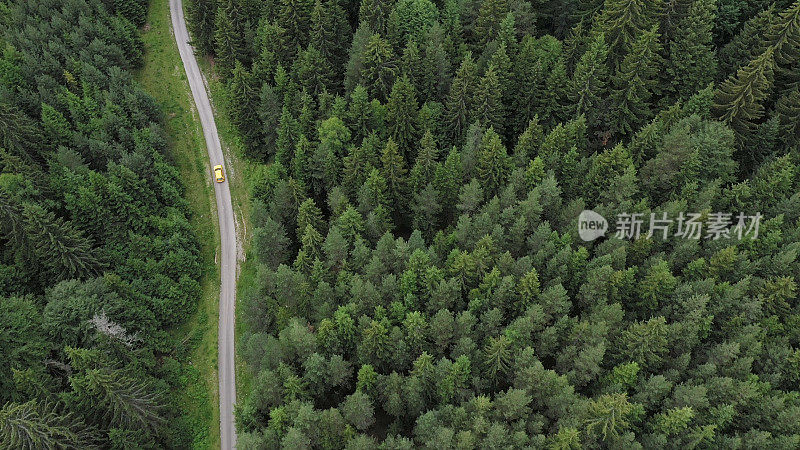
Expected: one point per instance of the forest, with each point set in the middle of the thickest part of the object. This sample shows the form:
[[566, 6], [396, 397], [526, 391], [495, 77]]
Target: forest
[[97, 257], [421, 165]]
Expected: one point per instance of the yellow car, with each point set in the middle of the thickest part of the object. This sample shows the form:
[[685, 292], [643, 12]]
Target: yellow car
[[218, 175]]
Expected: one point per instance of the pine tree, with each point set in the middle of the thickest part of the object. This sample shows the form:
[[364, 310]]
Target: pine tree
[[461, 99], [589, 82], [202, 14], [401, 115], [634, 83], [489, 109], [691, 64]]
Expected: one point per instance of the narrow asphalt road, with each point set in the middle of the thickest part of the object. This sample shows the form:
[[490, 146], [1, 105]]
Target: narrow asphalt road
[[227, 231]]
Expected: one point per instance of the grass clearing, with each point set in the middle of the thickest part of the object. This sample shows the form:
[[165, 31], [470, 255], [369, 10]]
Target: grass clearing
[[163, 77]]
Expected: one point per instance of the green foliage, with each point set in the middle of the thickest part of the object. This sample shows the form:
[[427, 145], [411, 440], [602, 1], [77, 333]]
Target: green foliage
[[96, 249], [426, 192]]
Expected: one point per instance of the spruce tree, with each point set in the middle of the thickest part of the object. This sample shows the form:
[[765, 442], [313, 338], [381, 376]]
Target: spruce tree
[[287, 136], [375, 13], [401, 115], [437, 65], [622, 21], [634, 82], [739, 100], [295, 16], [460, 103], [244, 109], [380, 67], [489, 109], [425, 163], [590, 81], [487, 24], [788, 110], [494, 163], [691, 64], [229, 45], [393, 170], [269, 113], [202, 14], [61, 248], [312, 71], [411, 66]]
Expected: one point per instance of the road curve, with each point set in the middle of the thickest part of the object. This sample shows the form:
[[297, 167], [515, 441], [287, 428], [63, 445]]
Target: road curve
[[227, 232]]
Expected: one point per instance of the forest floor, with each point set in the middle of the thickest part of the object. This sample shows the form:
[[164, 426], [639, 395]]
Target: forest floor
[[164, 79]]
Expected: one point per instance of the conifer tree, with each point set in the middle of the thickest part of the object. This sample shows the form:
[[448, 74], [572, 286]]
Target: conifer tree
[[313, 72], [426, 208], [61, 247], [42, 425], [411, 66], [634, 82], [269, 113], [244, 110], [494, 164], [329, 35], [460, 102], [425, 164], [295, 16], [228, 38], [487, 24], [375, 13], [788, 109], [202, 14], [747, 43], [739, 100], [489, 109], [622, 21], [691, 63], [401, 115], [287, 136], [590, 80], [393, 170], [379, 67]]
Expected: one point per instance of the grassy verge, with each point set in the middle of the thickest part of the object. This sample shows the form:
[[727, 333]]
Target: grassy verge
[[164, 79]]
